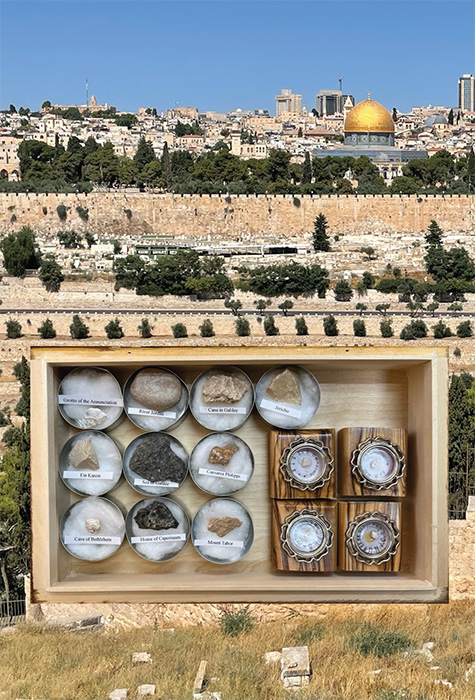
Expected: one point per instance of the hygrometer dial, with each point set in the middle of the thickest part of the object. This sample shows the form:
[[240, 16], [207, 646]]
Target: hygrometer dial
[[306, 464], [372, 538], [307, 535], [378, 463]]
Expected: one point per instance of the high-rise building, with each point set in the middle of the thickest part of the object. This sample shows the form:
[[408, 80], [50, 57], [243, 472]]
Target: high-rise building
[[332, 102], [467, 92], [287, 102]]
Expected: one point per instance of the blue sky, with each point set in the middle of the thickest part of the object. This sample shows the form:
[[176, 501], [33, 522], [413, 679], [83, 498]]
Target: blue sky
[[226, 54]]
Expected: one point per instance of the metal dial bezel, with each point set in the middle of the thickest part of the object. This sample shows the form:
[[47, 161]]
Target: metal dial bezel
[[294, 447], [306, 514], [389, 552], [391, 447]]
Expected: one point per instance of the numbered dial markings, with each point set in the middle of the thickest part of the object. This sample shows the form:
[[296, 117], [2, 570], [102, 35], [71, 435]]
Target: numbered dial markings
[[307, 535], [378, 463], [306, 464], [372, 538]]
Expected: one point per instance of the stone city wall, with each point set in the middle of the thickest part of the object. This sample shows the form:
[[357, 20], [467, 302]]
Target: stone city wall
[[209, 217]]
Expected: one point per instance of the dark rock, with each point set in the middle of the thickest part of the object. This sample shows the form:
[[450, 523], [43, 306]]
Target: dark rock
[[155, 516], [153, 459]]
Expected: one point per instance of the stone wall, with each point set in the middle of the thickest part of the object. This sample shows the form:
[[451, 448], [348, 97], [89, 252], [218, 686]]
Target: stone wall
[[117, 214]]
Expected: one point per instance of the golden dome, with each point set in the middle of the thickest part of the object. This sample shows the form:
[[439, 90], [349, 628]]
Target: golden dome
[[369, 116]]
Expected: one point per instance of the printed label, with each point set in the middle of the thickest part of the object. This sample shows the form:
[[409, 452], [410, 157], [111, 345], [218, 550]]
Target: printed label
[[148, 412], [159, 538], [218, 543], [91, 539], [280, 408], [165, 484], [228, 410], [222, 475], [83, 401], [87, 475]]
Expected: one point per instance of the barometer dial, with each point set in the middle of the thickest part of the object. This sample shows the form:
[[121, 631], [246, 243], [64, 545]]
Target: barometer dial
[[378, 463], [372, 538], [307, 535], [306, 464]]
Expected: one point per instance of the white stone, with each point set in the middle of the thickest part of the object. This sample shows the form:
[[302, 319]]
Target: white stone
[[119, 694], [272, 657], [145, 689], [428, 645], [295, 662], [295, 681], [444, 681], [469, 672], [141, 657], [375, 673]]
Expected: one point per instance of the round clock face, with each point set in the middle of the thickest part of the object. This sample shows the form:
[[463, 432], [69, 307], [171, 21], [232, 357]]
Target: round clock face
[[372, 538], [378, 464], [306, 536], [307, 464]]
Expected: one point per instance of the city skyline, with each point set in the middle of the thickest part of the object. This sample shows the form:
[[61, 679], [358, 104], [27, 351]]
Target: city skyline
[[221, 56]]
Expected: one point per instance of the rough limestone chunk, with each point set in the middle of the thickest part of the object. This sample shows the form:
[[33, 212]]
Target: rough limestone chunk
[[222, 455], [285, 388], [156, 389], [93, 525], [272, 657], [83, 455], [119, 694], [221, 526], [154, 459], [155, 516], [92, 418], [141, 657], [145, 689], [223, 388], [295, 662]]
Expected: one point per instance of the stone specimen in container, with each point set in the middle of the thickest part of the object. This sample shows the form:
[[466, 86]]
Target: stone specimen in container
[[153, 459], [93, 525], [92, 418], [221, 526], [223, 388], [222, 455], [83, 455], [156, 389], [285, 387], [155, 516]]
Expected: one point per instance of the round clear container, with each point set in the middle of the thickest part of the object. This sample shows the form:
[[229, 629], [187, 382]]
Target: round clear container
[[294, 382], [92, 529], [90, 398], [158, 544], [222, 398], [166, 480], [156, 413], [222, 545], [88, 478], [221, 464]]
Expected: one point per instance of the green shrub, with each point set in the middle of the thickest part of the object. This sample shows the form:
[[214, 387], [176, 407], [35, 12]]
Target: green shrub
[[145, 329], [114, 330], [233, 624], [342, 290], [296, 202], [82, 213], [441, 330], [359, 328], [13, 329], [46, 329], [89, 238], [78, 329], [414, 329], [206, 329], [368, 280], [457, 352], [62, 212], [301, 326], [4, 420], [370, 640], [464, 329], [330, 325], [128, 213], [269, 326], [386, 329], [311, 634], [179, 330], [242, 326]]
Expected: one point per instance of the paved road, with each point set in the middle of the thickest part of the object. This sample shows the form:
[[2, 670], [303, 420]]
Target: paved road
[[227, 312]]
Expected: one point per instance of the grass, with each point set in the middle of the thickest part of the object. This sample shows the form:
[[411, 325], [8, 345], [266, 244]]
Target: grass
[[52, 665]]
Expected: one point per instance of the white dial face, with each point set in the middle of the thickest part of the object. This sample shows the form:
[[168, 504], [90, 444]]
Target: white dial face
[[306, 536], [378, 464], [373, 537], [307, 464]]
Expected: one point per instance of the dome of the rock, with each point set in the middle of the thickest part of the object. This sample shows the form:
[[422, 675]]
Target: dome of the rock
[[369, 116]]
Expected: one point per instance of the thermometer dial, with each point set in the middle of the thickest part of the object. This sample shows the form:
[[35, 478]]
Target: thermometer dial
[[306, 464], [372, 538], [307, 535], [378, 463]]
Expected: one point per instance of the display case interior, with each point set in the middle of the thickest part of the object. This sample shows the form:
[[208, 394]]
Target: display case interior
[[394, 387]]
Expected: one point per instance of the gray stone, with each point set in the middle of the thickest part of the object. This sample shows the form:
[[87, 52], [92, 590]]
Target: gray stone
[[141, 657], [119, 694], [78, 622], [271, 657], [153, 459], [156, 389], [146, 689], [92, 418], [295, 662], [295, 681], [155, 516], [223, 388]]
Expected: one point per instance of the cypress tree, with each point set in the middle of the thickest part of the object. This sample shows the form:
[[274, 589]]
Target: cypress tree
[[321, 240]]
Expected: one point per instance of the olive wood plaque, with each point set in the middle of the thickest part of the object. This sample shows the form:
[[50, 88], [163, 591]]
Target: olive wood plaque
[[350, 512]]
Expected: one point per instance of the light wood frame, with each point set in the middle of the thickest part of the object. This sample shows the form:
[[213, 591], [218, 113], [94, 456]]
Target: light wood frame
[[397, 387]]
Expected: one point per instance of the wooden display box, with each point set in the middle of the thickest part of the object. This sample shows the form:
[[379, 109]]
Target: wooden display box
[[403, 387]]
